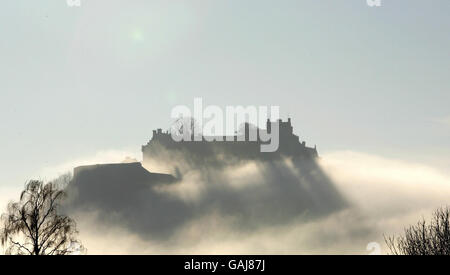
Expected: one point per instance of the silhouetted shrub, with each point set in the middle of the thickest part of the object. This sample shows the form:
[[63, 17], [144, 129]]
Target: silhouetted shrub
[[423, 238]]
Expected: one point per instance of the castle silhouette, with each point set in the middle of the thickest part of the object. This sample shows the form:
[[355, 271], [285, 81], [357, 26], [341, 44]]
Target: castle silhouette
[[240, 146], [144, 195], [164, 150]]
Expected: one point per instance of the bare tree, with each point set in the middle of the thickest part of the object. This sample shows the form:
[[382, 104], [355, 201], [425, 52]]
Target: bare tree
[[33, 226], [423, 238]]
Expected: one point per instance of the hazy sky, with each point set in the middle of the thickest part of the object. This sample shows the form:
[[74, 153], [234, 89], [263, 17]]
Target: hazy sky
[[82, 80]]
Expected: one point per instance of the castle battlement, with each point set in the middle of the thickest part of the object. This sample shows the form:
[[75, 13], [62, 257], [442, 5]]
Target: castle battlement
[[245, 145]]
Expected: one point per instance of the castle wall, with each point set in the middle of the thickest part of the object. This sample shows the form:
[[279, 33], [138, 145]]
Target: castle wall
[[163, 146]]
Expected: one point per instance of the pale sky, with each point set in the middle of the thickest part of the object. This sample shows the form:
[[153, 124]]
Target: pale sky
[[76, 81]]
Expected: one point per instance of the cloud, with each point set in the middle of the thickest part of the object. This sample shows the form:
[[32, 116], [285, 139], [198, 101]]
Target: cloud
[[381, 184], [224, 217], [391, 194], [247, 194]]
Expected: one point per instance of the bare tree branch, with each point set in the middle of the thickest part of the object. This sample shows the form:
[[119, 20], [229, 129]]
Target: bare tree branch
[[33, 226], [423, 238]]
